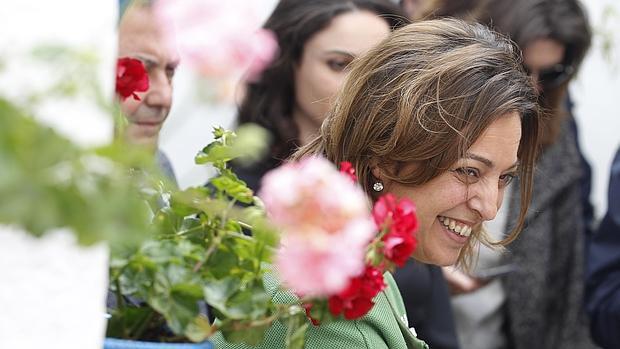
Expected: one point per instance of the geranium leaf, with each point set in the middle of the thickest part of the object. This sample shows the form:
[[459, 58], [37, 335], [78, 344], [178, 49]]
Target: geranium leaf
[[217, 292], [234, 187]]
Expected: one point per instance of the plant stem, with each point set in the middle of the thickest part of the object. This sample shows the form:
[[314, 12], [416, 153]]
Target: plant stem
[[143, 325], [255, 323], [120, 304], [191, 230], [245, 225]]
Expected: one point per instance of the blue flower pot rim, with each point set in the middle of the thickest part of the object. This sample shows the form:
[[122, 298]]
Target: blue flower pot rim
[[115, 343]]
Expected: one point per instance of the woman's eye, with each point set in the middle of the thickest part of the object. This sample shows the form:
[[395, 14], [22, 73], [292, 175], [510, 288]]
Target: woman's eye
[[467, 174], [506, 179], [337, 65], [471, 172]]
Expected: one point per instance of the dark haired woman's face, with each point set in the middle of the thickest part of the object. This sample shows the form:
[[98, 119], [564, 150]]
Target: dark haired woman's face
[[324, 62], [543, 59]]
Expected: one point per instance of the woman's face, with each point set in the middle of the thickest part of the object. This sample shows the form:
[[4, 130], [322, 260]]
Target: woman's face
[[542, 55], [449, 208], [324, 61]]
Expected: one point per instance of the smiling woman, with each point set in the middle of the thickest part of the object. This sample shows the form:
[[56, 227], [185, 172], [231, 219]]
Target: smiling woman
[[440, 112]]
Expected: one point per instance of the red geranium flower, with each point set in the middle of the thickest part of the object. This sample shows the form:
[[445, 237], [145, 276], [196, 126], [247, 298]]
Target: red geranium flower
[[131, 77], [383, 209], [356, 299], [307, 307], [348, 169], [399, 216], [398, 246], [400, 219]]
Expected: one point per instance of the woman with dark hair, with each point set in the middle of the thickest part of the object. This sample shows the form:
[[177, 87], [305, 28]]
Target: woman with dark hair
[[317, 41], [442, 113], [538, 303]]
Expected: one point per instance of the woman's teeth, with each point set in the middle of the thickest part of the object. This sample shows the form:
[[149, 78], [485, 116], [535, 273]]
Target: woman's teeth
[[456, 227]]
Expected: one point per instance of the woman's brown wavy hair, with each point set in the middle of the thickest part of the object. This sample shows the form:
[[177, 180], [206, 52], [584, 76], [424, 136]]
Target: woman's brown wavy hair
[[424, 96]]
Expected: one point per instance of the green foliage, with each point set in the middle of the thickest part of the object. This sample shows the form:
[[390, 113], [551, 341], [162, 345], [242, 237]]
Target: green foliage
[[249, 145], [200, 251], [172, 251], [167, 259], [49, 183]]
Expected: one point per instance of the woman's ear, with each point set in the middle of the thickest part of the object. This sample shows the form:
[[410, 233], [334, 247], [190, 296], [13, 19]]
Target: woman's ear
[[377, 173], [383, 172]]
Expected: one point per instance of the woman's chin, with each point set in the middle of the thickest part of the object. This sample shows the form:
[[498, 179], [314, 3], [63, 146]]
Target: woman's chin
[[440, 259]]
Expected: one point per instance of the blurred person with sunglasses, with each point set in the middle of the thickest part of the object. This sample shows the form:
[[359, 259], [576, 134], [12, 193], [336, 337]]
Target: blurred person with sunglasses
[[537, 301], [544, 295]]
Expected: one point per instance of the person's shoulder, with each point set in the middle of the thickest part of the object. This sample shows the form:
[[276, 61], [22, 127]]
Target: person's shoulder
[[165, 165], [381, 328]]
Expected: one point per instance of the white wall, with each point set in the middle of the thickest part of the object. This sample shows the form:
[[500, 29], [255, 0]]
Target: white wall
[[595, 93], [53, 291]]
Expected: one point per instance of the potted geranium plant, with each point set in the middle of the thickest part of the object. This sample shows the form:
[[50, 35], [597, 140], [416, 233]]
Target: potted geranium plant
[[333, 253]]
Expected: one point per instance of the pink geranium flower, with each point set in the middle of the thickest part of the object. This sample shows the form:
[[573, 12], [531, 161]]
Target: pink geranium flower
[[325, 222], [218, 38]]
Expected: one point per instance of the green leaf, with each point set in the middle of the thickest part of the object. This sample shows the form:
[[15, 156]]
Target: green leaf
[[178, 303], [244, 332], [124, 324], [214, 152], [189, 201], [217, 292], [199, 329], [249, 144], [234, 187], [221, 263], [249, 302]]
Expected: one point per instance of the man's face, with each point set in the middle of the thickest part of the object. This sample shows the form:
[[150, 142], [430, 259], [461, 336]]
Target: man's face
[[140, 37]]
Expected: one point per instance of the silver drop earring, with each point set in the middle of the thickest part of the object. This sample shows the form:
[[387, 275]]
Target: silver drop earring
[[378, 186]]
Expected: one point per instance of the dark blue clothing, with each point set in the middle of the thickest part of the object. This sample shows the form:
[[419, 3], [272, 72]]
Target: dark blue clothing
[[586, 176], [603, 270], [427, 301]]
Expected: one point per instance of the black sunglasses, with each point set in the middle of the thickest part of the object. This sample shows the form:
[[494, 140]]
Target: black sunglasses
[[553, 76]]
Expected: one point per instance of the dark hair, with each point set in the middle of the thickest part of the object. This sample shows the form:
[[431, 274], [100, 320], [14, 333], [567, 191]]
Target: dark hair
[[525, 21], [468, 10], [424, 96], [269, 100]]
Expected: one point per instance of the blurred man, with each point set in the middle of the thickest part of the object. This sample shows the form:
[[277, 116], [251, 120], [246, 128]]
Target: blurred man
[[141, 37]]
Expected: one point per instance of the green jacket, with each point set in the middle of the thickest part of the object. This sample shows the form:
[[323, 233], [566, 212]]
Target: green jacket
[[383, 327]]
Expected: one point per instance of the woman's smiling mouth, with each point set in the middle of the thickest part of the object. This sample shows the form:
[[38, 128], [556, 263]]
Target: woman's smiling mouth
[[456, 227]]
